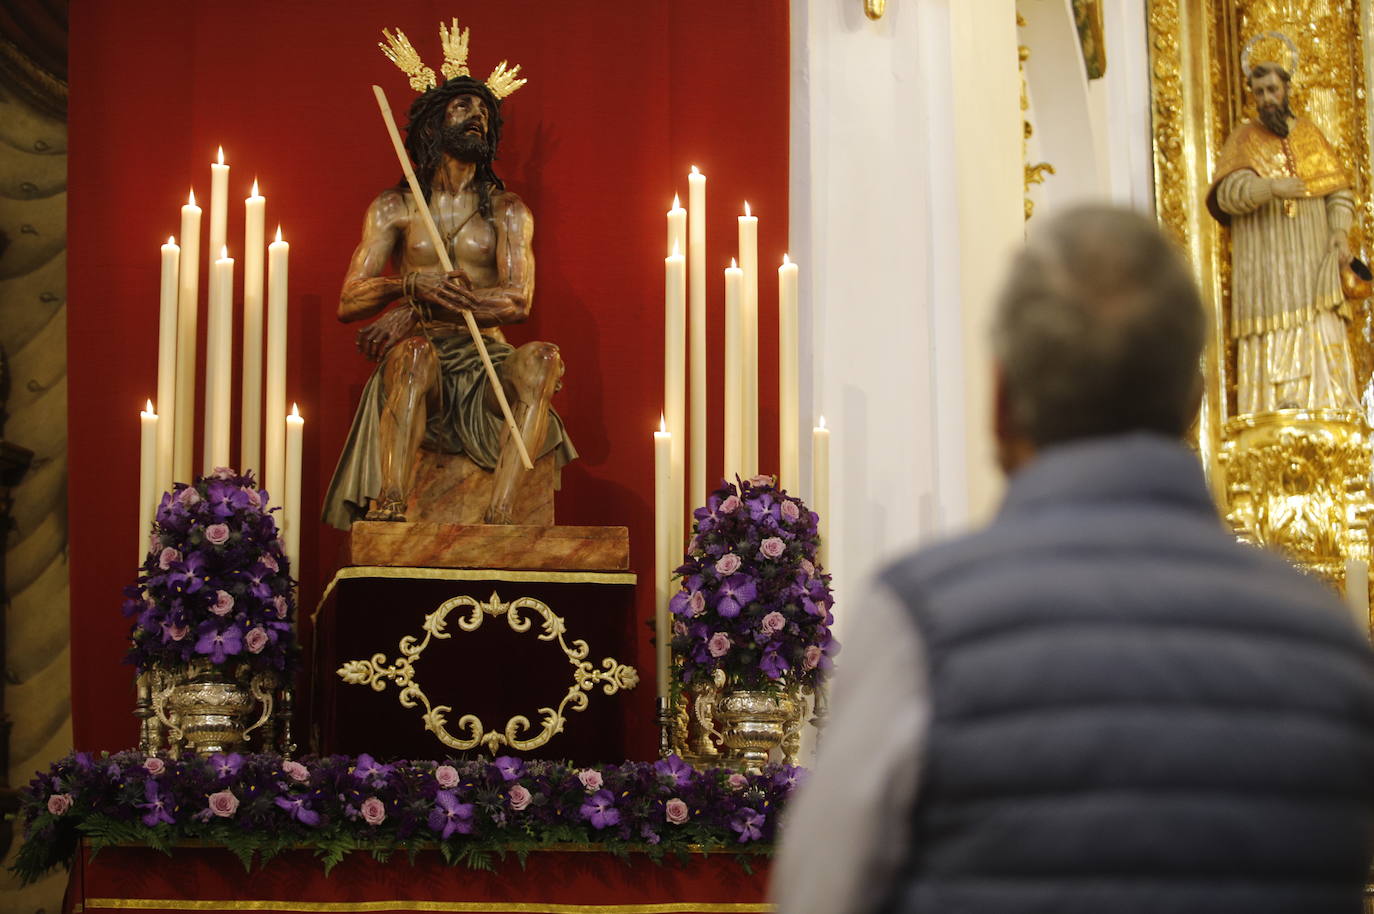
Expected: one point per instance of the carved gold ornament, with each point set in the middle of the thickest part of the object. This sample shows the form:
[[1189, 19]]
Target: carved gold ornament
[[613, 675], [874, 9], [503, 79]]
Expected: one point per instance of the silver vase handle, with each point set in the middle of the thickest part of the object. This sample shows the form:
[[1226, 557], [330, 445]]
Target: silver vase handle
[[262, 687], [160, 697]]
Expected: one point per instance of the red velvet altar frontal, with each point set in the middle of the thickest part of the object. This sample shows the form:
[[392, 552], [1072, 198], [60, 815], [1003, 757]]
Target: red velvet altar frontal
[[552, 882]]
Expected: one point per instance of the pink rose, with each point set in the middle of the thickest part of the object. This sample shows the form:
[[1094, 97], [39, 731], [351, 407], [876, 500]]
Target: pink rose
[[693, 545], [374, 811], [154, 765], [223, 601], [808, 568], [224, 804], [59, 803], [280, 603], [188, 497], [223, 473], [737, 781], [166, 557], [697, 602], [519, 798], [772, 547], [719, 645], [760, 480], [254, 498], [256, 639], [790, 512], [728, 564], [679, 627], [296, 771], [269, 563], [730, 505], [217, 534], [590, 778], [811, 657], [446, 775], [773, 623], [176, 632], [675, 811]]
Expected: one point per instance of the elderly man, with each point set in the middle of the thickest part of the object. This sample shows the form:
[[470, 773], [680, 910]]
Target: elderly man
[[1283, 192], [430, 387], [1101, 702]]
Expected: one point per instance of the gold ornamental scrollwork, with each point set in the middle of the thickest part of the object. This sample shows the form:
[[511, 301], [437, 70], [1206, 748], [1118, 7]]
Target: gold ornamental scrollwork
[[376, 672]]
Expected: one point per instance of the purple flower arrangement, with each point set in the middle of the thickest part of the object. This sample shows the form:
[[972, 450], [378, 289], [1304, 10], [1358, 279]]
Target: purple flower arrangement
[[262, 804], [216, 584], [753, 601]]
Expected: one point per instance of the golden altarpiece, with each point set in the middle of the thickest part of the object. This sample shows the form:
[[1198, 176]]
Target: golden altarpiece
[[1291, 477]]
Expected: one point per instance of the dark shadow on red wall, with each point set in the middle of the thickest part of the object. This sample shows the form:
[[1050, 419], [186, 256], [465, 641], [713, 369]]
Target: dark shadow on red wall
[[622, 99]]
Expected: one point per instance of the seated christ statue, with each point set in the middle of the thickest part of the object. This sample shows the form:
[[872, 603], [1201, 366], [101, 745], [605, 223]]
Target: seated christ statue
[[1282, 190], [430, 388]]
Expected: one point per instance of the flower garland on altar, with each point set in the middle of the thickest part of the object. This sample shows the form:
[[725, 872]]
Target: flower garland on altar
[[216, 584], [259, 805], [753, 602]]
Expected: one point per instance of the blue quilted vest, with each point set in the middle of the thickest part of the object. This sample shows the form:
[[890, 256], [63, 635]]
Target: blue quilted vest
[[1131, 712]]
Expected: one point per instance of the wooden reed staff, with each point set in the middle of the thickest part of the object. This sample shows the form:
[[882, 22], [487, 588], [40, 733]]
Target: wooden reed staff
[[447, 264]]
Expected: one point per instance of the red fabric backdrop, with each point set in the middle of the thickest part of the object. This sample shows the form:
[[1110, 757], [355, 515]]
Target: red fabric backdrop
[[622, 99]]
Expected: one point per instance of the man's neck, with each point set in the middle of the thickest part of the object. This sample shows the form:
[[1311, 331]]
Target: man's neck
[[454, 175]]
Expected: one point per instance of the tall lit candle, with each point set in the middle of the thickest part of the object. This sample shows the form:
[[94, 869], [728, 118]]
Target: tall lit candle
[[188, 310], [749, 343], [820, 486], [147, 477], [167, 363], [219, 352], [734, 285], [677, 227], [663, 447], [254, 249], [219, 204], [274, 458], [789, 433], [675, 383], [291, 504], [696, 322]]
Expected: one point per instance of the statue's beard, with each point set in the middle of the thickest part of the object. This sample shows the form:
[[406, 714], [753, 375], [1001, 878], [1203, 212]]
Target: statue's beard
[[465, 145], [1275, 118]]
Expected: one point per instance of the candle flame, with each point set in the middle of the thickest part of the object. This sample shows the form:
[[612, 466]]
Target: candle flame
[[746, 209], [676, 251], [295, 411], [279, 233], [677, 202], [822, 425], [149, 408], [786, 260], [191, 200], [255, 188], [224, 252], [171, 239], [694, 170], [733, 265], [662, 424], [221, 155]]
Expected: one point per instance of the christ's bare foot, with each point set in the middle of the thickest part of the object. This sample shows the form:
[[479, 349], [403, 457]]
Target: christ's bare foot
[[386, 511]]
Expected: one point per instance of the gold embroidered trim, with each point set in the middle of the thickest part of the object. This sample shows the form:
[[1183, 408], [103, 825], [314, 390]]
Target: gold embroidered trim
[[474, 907]]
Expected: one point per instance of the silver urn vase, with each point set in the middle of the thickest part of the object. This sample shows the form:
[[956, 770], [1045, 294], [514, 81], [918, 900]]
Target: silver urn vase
[[207, 708], [752, 723]]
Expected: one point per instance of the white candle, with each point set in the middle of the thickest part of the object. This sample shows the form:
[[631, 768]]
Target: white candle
[[291, 505], [147, 477], [167, 364], [219, 354], [219, 204], [675, 384], [1357, 593], [789, 434], [250, 429], [274, 460], [663, 446], [749, 343], [734, 282], [696, 321], [820, 486], [677, 228], [188, 309]]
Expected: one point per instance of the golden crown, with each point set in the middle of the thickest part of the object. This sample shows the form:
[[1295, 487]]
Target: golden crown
[[398, 49]]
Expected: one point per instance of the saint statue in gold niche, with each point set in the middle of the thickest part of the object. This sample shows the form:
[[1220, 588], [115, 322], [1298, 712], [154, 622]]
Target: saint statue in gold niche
[[1287, 198]]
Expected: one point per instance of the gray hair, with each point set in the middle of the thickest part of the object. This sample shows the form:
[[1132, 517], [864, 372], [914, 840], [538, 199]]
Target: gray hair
[[1099, 329]]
